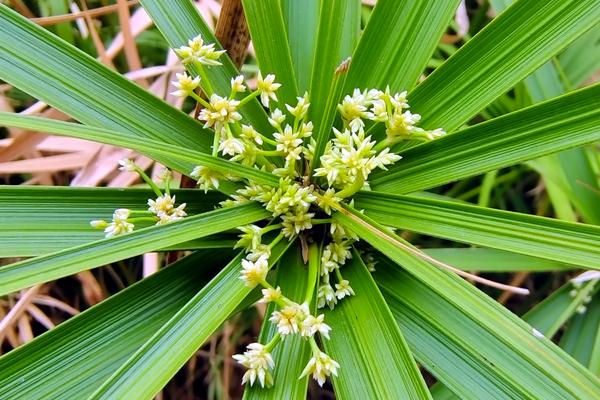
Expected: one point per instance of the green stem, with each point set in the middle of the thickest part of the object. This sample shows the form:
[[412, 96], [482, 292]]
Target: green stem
[[355, 187], [269, 346], [149, 181], [140, 212], [276, 240], [200, 100], [271, 153], [314, 346], [339, 275], [387, 142], [314, 265], [140, 219], [270, 228], [266, 139], [215, 146], [248, 98], [204, 81], [321, 221]]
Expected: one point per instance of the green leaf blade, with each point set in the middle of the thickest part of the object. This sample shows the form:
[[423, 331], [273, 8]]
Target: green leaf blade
[[412, 29], [546, 238], [510, 48], [55, 265], [73, 82], [565, 122], [374, 357], [73, 359], [271, 45], [517, 361], [154, 364]]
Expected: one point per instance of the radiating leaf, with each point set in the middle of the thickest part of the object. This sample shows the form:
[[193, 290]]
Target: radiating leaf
[[507, 50], [374, 357], [73, 359], [292, 354], [398, 42], [339, 22], [568, 121], [150, 368], [547, 238], [453, 329], [491, 260], [105, 251], [271, 45], [35, 220], [51, 70], [301, 18], [150, 147], [179, 21]]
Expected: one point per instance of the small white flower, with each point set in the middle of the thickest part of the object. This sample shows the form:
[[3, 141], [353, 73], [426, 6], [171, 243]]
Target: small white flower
[[121, 214], [277, 118], [270, 294], [321, 366], [176, 214], [288, 141], [231, 147], [207, 178], [250, 134], [326, 296], [197, 51], [185, 85], [301, 108], [250, 238], [328, 200], [237, 84], [289, 318], [267, 88], [222, 111], [343, 289], [162, 205], [118, 227], [262, 250], [98, 223], [293, 224], [312, 325], [254, 272], [259, 363], [127, 164], [119, 224]]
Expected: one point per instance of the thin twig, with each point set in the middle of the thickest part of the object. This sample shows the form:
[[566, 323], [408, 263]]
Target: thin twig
[[18, 309], [96, 12]]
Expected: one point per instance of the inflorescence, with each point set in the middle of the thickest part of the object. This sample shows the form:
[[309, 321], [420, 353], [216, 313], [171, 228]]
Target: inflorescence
[[301, 204]]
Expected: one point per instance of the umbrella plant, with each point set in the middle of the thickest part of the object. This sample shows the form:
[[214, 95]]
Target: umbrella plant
[[303, 184]]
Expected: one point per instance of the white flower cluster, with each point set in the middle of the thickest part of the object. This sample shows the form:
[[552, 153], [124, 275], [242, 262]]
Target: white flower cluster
[[292, 318], [383, 107], [161, 210], [350, 158], [164, 209], [302, 199], [258, 362], [289, 199], [587, 298], [198, 52], [117, 226]]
